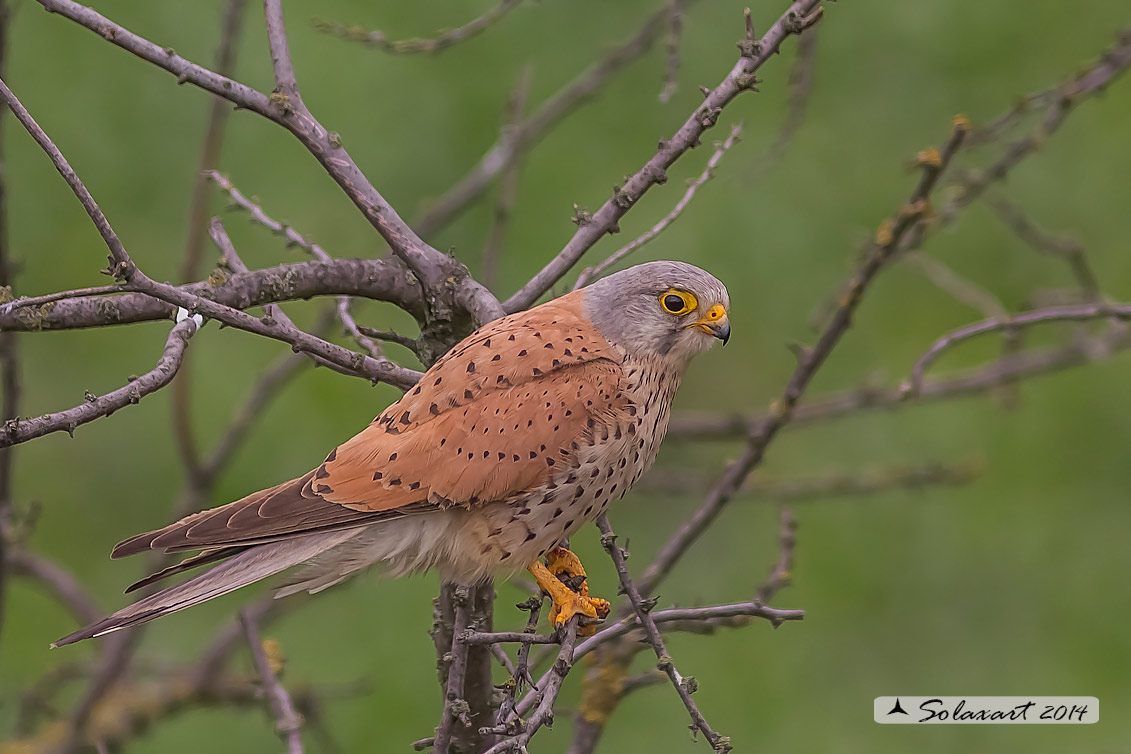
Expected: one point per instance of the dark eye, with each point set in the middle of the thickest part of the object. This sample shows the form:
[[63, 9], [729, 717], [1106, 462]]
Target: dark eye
[[678, 302]]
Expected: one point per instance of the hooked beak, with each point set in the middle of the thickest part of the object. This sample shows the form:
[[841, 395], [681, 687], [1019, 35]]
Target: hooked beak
[[714, 322]]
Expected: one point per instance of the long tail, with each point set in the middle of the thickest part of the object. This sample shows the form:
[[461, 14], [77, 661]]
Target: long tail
[[255, 563]]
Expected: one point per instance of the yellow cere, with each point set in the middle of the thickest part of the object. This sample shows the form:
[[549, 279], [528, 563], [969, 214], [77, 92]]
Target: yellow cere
[[715, 313], [678, 302]]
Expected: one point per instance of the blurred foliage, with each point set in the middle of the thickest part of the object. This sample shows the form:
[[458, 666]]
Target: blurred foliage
[[1014, 584]]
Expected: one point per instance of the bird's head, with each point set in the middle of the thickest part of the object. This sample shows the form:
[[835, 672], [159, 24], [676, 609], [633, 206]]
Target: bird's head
[[660, 310]]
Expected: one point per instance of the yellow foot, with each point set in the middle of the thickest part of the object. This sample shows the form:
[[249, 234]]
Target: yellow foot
[[563, 578]]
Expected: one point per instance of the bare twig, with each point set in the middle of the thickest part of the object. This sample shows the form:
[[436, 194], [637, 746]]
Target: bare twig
[[823, 486], [964, 290], [888, 238], [50, 298], [593, 226], [547, 692], [288, 722], [508, 186], [9, 346], [800, 87], [782, 572], [675, 31], [1059, 105], [379, 279], [230, 27], [684, 686], [687, 616], [521, 673], [433, 268], [123, 268], [1120, 312], [442, 41], [975, 381], [184, 435], [94, 407], [516, 637], [592, 273], [294, 238], [531, 130]]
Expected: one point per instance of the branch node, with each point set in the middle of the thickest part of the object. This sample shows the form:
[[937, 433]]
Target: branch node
[[581, 217]]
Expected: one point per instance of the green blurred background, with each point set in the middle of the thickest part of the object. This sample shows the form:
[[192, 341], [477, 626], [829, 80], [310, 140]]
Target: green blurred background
[[1013, 584]]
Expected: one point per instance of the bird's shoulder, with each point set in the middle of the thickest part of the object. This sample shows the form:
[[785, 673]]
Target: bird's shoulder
[[500, 413], [503, 354]]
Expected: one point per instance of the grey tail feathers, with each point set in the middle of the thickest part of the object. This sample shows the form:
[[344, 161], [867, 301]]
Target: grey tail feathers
[[251, 565]]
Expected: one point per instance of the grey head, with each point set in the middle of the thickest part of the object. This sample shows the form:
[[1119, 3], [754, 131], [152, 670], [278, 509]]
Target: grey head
[[667, 311]]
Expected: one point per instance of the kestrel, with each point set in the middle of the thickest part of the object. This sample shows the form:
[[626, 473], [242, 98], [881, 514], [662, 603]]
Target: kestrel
[[523, 432]]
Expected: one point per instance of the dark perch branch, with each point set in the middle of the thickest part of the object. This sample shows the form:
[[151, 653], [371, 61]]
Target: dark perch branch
[[521, 673], [607, 683], [446, 38], [288, 722], [472, 704], [16, 431], [455, 708], [593, 226]]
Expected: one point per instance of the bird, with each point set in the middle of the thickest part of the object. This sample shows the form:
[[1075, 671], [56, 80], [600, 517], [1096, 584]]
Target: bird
[[523, 432]]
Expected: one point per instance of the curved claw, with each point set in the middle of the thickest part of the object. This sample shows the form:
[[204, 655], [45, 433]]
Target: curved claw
[[564, 579]]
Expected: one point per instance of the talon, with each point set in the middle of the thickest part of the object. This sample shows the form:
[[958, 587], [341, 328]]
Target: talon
[[563, 578]]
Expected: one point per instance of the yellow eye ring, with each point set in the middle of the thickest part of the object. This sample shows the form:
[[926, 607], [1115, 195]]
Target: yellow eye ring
[[678, 303]]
